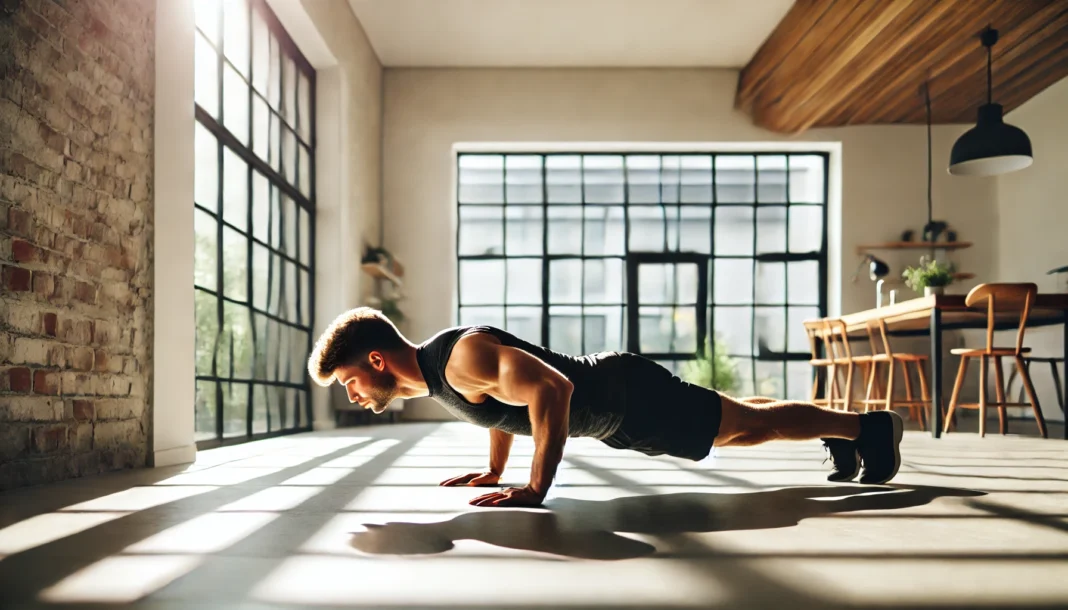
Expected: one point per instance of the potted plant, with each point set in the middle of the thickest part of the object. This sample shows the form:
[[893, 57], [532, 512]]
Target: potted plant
[[714, 369], [931, 277]]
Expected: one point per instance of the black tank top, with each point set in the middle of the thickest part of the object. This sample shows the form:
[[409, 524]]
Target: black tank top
[[597, 401]]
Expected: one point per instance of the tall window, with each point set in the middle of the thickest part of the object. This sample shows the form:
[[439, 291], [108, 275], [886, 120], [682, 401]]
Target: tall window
[[544, 242], [255, 218]]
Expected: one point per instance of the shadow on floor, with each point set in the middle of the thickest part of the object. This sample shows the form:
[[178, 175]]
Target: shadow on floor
[[585, 529]]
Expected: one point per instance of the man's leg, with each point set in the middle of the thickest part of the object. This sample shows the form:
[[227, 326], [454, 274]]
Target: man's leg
[[873, 436]]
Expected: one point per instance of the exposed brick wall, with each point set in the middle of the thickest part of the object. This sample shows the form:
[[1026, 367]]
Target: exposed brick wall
[[76, 104]]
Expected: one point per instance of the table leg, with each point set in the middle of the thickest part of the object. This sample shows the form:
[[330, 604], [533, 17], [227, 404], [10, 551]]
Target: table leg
[[1064, 382], [936, 373]]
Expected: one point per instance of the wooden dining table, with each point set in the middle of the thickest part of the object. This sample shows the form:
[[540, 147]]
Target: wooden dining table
[[935, 314]]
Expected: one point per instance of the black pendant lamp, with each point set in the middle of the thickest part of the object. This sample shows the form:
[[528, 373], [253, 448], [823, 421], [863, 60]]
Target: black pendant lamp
[[992, 146]]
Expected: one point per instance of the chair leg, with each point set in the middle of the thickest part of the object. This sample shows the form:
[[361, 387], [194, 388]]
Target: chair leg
[[870, 375], [999, 380], [848, 404], [908, 388], [982, 395], [1031, 393], [890, 387], [925, 395], [961, 373], [1057, 385]]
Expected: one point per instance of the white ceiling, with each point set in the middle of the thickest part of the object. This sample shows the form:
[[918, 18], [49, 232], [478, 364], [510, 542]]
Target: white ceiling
[[568, 33]]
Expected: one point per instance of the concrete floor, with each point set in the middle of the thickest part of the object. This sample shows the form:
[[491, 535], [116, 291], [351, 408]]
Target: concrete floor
[[354, 518]]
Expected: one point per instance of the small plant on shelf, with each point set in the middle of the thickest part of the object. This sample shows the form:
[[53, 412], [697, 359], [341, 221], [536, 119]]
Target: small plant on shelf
[[930, 277], [714, 369]]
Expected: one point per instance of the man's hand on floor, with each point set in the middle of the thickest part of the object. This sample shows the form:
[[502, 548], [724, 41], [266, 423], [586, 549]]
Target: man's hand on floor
[[474, 479], [512, 496]]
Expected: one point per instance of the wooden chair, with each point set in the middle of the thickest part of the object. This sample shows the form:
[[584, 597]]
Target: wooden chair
[[999, 298], [874, 395], [836, 338], [1052, 362], [819, 365]]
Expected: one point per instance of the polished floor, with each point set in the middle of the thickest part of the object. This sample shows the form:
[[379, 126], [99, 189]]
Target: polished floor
[[354, 518]]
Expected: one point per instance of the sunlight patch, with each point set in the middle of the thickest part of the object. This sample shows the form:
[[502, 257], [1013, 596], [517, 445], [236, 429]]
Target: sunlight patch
[[120, 579], [208, 533], [42, 529], [139, 498]]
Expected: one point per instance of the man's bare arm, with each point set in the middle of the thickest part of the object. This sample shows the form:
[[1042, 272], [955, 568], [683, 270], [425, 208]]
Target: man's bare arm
[[500, 449], [481, 365]]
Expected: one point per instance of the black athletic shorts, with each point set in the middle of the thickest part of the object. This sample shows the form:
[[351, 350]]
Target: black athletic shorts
[[664, 414]]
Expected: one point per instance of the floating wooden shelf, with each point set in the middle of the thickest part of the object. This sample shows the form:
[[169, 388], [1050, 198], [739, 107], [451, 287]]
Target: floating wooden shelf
[[916, 245], [956, 276], [378, 271]]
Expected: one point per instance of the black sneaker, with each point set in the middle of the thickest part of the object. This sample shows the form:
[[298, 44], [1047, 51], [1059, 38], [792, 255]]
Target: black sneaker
[[879, 446], [844, 457]]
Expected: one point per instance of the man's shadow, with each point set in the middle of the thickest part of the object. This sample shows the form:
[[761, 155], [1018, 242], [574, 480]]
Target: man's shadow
[[585, 529]]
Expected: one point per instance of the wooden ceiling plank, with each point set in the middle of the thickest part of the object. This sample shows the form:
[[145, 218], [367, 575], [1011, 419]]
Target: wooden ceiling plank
[[802, 17]]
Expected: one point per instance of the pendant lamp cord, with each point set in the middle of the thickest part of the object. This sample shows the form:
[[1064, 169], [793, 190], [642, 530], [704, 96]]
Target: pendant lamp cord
[[989, 78], [927, 99]]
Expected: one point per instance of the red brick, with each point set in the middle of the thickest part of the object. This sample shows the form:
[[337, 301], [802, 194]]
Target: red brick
[[46, 383], [17, 279], [50, 321], [101, 361], [20, 222], [49, 438], [82, 359], [19, 380], [24, 252], [84, 410], [85, 292], [43, 284]]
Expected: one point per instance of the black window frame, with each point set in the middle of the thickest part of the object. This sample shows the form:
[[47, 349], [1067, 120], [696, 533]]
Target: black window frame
[[758, 352], [284, 189]]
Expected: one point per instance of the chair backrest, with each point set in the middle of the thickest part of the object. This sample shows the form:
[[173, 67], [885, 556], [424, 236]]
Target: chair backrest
[[837, 339], [1002, 298], [880, 326]]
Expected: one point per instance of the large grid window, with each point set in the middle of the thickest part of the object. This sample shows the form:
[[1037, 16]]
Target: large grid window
[[254, 224], [544, 239]]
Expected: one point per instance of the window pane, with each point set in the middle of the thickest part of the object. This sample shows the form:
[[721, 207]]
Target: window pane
[[481, 230], [235, 405], [565, 281], [260, 260], [603, 329], [305, 237], [305, 171], [565, 230], [259, 409], [481, 282], [237, 320], [276, 218], [565, 330], [670, 178], [274, 289], [735, 179], [643, 178], [647, 228], [733, 281], [206, 251], [769, 378], [261, 52], [259, 368], [770, 329], [524, 232], [806, 228], [275, 159], [523, 178], [235, 104], [685, 337], [795, 327], [771, 179], [525, 323], [289, 156], [274, 80], [771, 229], [771, 283], [696, 185], [291, 292], [654, 328], [304, 99], [734, 231], [235, 190], [594, 329], [205, 411], [605, 281], [261, 128], [672, 215], [804, 288], [524, 281], [734, 326], [207, 321], [207, 18], [605, 230], [235, 32], [563, 178], [299, 355], [491, 316], [206, 174], [481, 179], [206, 77], [261, 206], [289, 91], [696, 229], [305, 302], [798, 381], [273, 347], [289, 225], [235, 264], [603, 177], [807, 181]]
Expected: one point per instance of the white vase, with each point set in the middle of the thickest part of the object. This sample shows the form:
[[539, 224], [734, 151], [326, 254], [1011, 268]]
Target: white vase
[[929, 290]]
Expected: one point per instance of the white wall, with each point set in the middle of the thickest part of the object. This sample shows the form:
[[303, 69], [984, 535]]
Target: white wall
[[348, 176], [1033, 218], [426, 112]]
